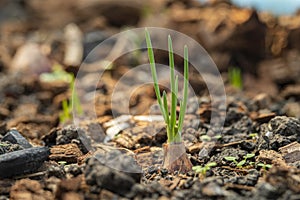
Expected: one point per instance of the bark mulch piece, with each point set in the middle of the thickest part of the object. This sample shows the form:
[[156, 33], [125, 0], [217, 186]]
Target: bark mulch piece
[[66, 152]]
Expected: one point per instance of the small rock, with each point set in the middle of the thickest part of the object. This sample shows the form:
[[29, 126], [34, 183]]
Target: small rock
[[105, 194], [266, 190], [30, 59], [71, 133], [14, 137], [248, 146], [164, 172], [117, 160], [213, 189], [26, 189], [103, 177], [233, 115], [73, 169], [3, 128], [262, 101], [285, 126], [56, 171], [291, 91], [252, 177], [292, 109]]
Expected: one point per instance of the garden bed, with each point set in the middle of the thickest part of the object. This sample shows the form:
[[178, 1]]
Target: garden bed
[[119, 155]]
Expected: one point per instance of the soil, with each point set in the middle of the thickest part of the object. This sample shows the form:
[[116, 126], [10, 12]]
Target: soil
[[119, 155]]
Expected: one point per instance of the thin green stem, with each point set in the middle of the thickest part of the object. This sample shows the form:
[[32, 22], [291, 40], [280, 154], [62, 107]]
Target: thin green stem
[[185, 90], [173, 87], [174, 127], [165, 102], [154, 75]]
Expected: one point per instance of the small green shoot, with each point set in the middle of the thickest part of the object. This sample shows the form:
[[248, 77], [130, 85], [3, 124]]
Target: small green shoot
[[174, 126], [231, 159], [247, 156], [242, 162], [57, 74], [62, 163], [66, 112], [206, 138], [4, 144], [235, 77], [253, 136], [204, 169], [264, 166], [67, 106]]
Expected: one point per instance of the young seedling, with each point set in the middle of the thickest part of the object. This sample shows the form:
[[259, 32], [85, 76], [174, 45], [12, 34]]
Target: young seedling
[[204, 169], [253, 136], [73, 103], [175, 156], [60, 75], [62, 163], [264, 166], [206, 138], [231, 159], [57, 74], [242, 162], [235, 77], [65, 114], [247, 156]]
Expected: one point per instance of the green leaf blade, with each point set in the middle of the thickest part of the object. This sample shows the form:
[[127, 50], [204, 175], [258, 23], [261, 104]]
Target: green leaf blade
[[165, 103], [173, 87], [185, 89], [154, 73]]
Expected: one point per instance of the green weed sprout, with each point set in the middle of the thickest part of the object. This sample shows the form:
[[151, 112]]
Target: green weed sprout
[[174, 126], [242, 162], [65, 114], [231, 158], [253, 136], [206, 138], [57, 74], [204, 169], [235, 77], [264, 166], [67, 106], [62, 163]]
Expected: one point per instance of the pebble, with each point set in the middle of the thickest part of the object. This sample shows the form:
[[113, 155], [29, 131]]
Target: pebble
[[56, 171], [101, 176], [285, 126], [14, 137]]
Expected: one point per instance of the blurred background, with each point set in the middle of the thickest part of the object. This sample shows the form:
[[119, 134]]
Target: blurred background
[[257, 40]]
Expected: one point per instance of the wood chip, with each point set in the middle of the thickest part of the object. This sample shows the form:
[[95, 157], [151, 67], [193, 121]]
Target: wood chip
[[264, 117], [271, 157], [82, 159], [239, 187], [195, 147], [67, 152], [175, 183], [295, 146], [291, 152]]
